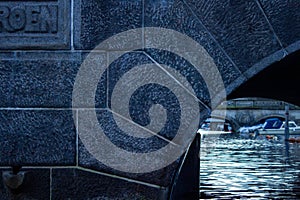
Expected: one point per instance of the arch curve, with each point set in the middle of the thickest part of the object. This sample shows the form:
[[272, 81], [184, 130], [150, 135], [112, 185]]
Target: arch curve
[[273, 80]]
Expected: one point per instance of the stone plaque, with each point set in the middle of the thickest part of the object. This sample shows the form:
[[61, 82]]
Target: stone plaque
[[35, 24]]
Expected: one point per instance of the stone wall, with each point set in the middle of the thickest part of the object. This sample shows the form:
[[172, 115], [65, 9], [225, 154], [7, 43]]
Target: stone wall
[[44, 45]]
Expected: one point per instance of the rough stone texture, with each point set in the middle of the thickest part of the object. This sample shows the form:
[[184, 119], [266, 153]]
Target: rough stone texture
[[239, 27], [132, 69], [284, 17], [177, 16], [37, 138], [92, 74], [187, 70], [35, 25], [162, 177], [147, 83], [37, 83], [122, 140], [7, 55], [36, 185], [96, 21], [37, 126], [77, 184]]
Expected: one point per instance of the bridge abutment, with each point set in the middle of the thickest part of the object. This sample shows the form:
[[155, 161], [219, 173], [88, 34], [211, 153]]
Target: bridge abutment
[[46, 45]]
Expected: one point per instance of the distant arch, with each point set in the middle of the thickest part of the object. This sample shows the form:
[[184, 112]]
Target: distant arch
[[232, 121], [263, 118]]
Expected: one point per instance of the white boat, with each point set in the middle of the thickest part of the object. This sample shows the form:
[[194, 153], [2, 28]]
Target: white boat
[[213, 126], [209, 132], [275, 126]]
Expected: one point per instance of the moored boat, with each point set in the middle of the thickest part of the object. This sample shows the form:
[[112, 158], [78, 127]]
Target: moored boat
[[213, 126], [274, 126]]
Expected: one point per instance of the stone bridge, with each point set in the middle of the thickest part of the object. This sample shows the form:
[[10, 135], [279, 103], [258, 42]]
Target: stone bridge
[[83, 124], [250, 117], [249, 111]]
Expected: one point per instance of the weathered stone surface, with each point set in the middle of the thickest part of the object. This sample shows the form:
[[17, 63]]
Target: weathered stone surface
[[120, 139], [135, 70], [77, 184], [36, 185], [136, 83], [37, 138], [162, 177], [37, 126], [239, 27], [35, 24], [176, 15], [185, 69], [7, 55], [5, 94], [92, 75], [37, 83], [37, 55], [96, 21], [121, 65], [125, 130], [284, 17]]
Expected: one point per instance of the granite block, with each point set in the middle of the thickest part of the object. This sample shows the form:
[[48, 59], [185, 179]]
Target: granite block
[[37, 137], [123, 145], [284, 17], [37, 83], [136, 83], [125, 124], [177, 16], [78, 184], [239, 27], [36, 185], [90, 86], [95, 21], [135, 71], [6, 91], [119, 65], [48, 55], [194, 78], [162, 177], [8, 55]]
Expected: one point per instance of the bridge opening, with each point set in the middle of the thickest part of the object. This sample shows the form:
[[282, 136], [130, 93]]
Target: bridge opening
[[278, 81], [262, 165]]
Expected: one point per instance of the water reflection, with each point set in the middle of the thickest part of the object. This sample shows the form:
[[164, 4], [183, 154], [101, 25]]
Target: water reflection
[[240, 168]]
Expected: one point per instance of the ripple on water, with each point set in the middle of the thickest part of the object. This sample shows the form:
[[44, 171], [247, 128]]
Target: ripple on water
[[258, 169]]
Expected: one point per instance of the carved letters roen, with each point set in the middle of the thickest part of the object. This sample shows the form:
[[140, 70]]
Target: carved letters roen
[[29, 19]]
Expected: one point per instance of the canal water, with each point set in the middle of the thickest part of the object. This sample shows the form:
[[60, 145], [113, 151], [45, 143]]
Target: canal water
[[236, 168]]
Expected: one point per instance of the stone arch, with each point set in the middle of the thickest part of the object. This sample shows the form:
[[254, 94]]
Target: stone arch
[[278, 71], [233, 122], [260, 119]]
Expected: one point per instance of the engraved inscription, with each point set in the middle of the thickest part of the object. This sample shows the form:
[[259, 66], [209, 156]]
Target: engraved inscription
[[30, 19], [35, 24]]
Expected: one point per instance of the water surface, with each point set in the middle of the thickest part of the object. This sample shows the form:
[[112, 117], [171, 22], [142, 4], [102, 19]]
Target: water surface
[[244, 168]]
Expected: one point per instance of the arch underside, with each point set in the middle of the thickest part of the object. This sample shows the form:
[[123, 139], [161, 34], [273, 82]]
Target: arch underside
[[278, 80]]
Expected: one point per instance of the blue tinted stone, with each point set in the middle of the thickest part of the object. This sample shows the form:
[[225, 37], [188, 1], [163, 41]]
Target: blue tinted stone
[[33, 83], [96, 21], [162, 177], [37, 138], [239, 27], [284, 17], [177, 16], [77, 184]]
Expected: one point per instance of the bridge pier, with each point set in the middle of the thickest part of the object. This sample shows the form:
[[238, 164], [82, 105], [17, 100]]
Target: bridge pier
[[205, 51]]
